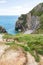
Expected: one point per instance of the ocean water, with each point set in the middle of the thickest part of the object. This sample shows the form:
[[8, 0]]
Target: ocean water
[[8, 22]]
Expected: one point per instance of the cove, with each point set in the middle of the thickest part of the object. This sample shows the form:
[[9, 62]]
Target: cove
[[8, 22]]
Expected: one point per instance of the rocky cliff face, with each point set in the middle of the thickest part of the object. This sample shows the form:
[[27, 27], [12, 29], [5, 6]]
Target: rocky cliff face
[[31, 21], [2, 30]]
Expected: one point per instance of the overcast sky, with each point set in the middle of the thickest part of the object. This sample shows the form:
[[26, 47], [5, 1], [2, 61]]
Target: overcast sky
[[17, 7]]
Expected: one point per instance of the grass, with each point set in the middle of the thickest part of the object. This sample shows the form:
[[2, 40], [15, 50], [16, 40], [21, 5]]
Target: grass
[[33, 43]]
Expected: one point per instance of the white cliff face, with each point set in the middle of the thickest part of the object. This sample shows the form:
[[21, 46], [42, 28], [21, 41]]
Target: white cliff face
[[32, 21], [29, 21], [35, 22], [29, 24]]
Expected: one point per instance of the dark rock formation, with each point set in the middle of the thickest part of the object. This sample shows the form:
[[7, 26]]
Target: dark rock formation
[[2, 30], [21, 23], [31, 20]]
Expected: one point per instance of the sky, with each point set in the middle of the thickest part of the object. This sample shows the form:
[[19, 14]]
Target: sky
[[17, 7]]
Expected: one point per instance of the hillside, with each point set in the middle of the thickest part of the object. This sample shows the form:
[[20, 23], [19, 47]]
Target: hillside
[[31, 21], [21, 49]]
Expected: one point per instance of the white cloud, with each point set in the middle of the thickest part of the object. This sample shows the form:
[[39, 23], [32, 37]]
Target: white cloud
[[18, 10], [3, 1]]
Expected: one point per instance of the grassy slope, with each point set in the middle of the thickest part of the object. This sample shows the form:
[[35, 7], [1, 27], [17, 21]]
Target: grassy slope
[[32, 43]]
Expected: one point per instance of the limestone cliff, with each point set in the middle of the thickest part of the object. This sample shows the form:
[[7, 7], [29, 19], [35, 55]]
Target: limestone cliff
[[31, 21]]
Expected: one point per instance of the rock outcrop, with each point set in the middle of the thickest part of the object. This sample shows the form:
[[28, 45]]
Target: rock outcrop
[[10, 56], [2, 30], [31, 20]]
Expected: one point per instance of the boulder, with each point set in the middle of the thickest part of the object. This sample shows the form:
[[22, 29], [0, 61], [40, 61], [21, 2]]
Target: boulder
[[2, 30], [10, 56]]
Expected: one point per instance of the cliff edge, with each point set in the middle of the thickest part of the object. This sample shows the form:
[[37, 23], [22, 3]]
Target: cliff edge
[[31, 21]]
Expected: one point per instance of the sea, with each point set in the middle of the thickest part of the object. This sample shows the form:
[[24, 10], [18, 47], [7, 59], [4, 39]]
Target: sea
[[8, 22]]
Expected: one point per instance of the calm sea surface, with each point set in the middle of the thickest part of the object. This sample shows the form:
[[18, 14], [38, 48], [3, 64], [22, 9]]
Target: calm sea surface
[[8, 22]]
